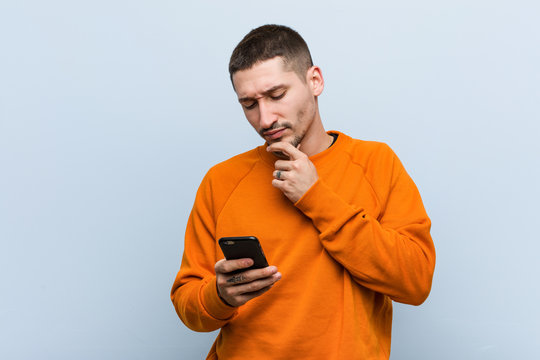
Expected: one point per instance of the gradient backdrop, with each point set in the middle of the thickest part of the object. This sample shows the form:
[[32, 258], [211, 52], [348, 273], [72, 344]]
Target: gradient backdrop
[[112, 111]]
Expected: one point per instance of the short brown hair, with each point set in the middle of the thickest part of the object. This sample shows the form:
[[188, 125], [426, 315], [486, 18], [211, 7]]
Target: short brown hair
[[267, 42]]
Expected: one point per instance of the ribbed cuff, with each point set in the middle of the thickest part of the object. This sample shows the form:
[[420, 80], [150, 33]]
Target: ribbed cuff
[[213, 304]]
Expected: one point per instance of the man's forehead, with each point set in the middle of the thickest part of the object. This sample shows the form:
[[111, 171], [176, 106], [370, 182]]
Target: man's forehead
[[262, 76]]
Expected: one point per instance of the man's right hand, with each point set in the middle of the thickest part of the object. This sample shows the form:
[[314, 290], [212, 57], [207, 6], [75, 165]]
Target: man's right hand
[[238, 288]]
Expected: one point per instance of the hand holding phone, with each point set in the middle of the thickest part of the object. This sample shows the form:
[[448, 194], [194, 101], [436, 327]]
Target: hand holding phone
[[245, 273]]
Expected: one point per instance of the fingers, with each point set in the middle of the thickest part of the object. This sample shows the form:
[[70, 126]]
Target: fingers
[[287, 149], [226, 266], [282, 168], [238, 288], [285, 165], [294, 176], [280, 175], [248, 276], [251, 286]]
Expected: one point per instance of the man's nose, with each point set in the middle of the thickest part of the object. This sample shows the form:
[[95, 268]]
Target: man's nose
[[266, 115]]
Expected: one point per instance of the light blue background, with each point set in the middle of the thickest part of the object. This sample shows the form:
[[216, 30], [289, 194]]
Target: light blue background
[[112, 111]]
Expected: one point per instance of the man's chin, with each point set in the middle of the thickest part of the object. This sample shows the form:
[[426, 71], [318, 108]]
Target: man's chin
[[279, 154], [294, 141]]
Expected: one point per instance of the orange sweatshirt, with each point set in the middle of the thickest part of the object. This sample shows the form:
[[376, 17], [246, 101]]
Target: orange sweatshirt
[[357, 239]]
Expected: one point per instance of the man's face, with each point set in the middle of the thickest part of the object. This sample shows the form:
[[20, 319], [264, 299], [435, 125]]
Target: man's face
[[276, 102]]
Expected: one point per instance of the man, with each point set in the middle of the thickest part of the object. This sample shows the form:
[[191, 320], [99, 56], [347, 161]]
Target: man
[[339, 219]]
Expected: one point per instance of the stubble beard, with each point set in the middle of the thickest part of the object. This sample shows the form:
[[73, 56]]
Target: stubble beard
[[294, 142], [300, 119], [297, 139]]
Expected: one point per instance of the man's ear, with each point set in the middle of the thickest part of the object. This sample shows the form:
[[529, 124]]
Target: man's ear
[[315, 80]]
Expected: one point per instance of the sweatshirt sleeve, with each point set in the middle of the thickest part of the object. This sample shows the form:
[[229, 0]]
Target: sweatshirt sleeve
[[392, 254], [194, 292]]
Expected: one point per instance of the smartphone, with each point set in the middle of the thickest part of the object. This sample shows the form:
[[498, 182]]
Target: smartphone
[[238, 247]]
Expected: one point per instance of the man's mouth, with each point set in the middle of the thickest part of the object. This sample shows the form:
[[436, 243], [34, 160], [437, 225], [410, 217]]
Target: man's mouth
[[274, 133]]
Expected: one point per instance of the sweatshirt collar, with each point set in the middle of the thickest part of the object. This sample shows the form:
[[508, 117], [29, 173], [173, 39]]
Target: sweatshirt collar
[[317, 159]]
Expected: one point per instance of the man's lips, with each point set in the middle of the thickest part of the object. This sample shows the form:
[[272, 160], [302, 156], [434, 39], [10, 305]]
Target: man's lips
[[274, 134]]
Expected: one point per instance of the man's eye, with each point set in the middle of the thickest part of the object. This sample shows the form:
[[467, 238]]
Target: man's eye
[[277, 97], [250, 105]]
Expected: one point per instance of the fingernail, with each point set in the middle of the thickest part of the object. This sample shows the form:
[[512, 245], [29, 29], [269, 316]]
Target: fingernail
[[278, 276]]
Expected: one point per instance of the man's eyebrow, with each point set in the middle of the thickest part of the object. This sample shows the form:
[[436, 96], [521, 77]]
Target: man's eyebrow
[[265, 93]]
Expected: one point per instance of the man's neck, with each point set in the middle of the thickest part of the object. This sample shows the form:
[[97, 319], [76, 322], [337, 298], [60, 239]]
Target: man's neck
[[316, 140]]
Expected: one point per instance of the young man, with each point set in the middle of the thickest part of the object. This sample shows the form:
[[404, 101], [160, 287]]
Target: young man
[[339, 219]]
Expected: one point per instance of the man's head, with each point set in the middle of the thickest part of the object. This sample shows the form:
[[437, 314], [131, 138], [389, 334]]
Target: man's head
[[267, 42], [278, 86]]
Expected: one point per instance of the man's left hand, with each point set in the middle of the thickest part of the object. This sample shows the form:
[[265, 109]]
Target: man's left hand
[[294, 176]]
